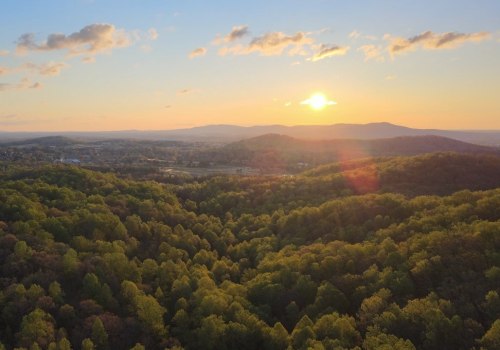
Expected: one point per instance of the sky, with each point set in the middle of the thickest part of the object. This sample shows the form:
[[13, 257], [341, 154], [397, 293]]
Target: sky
[[96, 65]]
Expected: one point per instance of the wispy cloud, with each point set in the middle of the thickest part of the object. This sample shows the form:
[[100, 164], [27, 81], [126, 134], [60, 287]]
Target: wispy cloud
[[354, 34], [327, 51], [372, 52], [153, 34], [271, 44], [200, 51], [4, 53], [358, 35], [236, 33], [278, 43], [47, 69], [24, 84], [15, 119], [187, 91], [433, 41], [88, 59], [9, 119], [92, 39]]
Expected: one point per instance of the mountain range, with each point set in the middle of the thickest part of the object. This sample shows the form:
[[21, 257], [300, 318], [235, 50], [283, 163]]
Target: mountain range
[[231, 133]]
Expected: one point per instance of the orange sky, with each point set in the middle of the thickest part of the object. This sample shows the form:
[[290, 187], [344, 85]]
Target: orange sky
[[167, 65]]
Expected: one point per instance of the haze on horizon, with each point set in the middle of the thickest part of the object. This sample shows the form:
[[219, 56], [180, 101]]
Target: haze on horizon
[[92, 65]]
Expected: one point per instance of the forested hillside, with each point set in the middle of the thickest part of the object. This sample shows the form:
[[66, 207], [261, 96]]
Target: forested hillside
[[275, 152], [389, 253], [436, 173]]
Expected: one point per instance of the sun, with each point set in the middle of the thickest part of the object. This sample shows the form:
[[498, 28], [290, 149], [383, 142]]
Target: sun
[[318, 101]]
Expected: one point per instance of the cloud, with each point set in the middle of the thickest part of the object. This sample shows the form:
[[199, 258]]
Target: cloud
[[6, 86], [391, 77], [354, 34], [372, 52], [275, 42], [146, 48], [24, 84], [88, 59], [153, 34], [4, 53], [279, 43], [271, 44], [201, 51], [15, 119], [236, 33], [47, 69], [9, 119], [187, 91], [92, 39], [433, 41], [326, 51]]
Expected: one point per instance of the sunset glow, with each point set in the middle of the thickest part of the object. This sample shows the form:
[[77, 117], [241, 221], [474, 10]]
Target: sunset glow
[[118, 63], [318, 101], [239, 175]]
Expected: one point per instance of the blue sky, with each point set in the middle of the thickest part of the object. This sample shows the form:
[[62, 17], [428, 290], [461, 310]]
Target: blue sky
[[144, 64]]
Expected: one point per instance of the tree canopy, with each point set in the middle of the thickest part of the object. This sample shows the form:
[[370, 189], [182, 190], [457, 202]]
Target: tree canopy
[[321, 260]]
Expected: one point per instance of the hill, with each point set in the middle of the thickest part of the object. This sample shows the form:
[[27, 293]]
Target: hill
[[427, 174], [44, 141], [277, 152]]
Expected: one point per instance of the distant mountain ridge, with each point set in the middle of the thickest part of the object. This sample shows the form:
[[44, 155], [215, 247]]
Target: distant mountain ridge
[[231, 133]]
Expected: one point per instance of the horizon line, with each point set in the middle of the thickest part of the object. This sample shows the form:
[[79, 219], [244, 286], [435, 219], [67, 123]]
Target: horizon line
[[239, 126]]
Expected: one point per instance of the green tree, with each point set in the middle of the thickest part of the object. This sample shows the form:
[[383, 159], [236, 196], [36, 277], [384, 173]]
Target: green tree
[[302, 332], [99, 335], [87, 344], [491, 339], [150, 313], [377, 340], [37, 327], [56, 292], [279, 337], [63, 344]]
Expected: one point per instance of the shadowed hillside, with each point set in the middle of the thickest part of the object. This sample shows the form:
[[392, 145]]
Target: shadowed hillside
[[45, 141], [274, 152], [428, 174]]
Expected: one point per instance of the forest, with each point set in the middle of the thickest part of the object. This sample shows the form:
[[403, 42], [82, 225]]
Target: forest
[[373, 254]]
